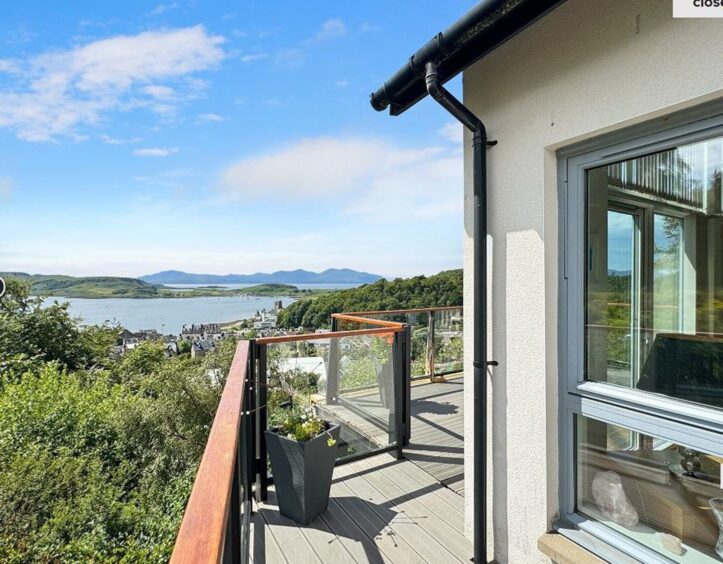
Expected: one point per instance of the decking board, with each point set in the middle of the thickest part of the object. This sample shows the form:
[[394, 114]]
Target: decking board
[[382, 509]]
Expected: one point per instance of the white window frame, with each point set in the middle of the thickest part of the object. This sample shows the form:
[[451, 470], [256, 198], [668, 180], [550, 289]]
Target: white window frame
[[697, 426]]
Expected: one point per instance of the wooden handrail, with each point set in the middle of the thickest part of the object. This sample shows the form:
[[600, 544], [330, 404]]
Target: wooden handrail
[[397, 311], [366, 320], [329, 335], [203, 530]]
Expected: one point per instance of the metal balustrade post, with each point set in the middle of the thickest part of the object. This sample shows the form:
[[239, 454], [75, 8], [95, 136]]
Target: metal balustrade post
[[407, 383], [262, 381], [332, 374], [399, 393], [249, 445], [430, 347]]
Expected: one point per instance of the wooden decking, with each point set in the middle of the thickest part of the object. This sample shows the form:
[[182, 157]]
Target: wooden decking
[[383, 509], [437, 443]]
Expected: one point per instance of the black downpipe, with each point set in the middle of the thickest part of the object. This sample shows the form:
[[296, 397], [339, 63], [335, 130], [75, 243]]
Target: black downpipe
[[479, 360]]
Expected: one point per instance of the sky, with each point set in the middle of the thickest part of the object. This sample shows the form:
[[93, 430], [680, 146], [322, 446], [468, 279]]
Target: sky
[[222, 137]]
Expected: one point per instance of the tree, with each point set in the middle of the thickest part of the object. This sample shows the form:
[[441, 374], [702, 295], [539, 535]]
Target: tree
[[443, 289], [97, 453], [31, 334]]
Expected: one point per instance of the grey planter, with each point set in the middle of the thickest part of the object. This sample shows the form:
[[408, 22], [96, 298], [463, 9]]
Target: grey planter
[[302, 473]]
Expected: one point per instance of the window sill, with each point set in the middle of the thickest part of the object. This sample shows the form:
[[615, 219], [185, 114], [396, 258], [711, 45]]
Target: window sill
[[563, 551]]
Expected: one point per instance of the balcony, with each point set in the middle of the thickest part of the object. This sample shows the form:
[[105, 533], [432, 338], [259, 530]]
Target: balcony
[[391, 381]]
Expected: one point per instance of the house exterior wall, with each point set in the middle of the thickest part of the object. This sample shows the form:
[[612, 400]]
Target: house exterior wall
[[587, 68]]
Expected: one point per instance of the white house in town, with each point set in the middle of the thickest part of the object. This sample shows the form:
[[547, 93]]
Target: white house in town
[[602, 337], [265, 319]]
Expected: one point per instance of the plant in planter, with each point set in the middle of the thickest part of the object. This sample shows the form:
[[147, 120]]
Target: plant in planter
[[302, 450]]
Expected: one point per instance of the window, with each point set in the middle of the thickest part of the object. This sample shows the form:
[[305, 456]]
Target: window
[[654, 286], [662, 495], [642, 343]]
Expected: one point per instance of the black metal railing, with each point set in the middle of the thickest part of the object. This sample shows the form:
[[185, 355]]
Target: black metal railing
[[436, 337], [374, 418], [216, 523], [358, 375]]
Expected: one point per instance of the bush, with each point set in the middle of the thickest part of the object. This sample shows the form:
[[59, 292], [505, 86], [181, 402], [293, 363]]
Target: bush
[[97, 454]]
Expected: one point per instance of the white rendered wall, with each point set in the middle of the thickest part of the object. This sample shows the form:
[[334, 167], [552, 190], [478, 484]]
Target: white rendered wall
[[589, 67]]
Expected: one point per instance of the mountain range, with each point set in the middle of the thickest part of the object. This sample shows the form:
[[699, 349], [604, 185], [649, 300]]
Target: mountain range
[[329, 276]]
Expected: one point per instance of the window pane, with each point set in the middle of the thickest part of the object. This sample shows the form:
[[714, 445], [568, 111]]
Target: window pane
[[667, 273], [654, 280], [662, 495], [615, 303]]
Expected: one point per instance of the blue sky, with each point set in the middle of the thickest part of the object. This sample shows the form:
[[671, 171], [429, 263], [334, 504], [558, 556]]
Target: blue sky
[[222, 137]]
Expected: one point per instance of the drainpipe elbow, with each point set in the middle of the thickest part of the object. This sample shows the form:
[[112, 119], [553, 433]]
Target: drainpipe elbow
[[452, 105], [431, 79]]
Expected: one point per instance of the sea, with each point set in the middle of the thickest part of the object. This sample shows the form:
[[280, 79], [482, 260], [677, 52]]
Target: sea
[[169, 315]]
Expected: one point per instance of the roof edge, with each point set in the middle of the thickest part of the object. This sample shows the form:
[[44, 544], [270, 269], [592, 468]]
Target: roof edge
[[484, 28]]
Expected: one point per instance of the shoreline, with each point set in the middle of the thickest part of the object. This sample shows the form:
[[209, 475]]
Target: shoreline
[[162, 297]]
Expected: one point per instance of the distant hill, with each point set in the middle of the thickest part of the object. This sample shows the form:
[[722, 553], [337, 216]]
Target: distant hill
[[443, 289], [86, 287], [118, 287], [329, 276]]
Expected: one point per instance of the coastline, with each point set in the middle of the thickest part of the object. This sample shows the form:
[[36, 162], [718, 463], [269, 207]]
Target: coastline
[[167, 292]]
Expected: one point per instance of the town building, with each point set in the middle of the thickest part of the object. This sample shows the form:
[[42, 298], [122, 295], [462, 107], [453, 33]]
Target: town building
[[200, 347], [202, 331], [265, 319]]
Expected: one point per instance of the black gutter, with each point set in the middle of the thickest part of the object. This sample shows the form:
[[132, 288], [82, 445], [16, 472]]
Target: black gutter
[[482, 29]]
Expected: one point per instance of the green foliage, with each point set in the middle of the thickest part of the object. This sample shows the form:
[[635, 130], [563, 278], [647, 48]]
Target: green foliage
[[97, 454], [443, 289], [31, 335], [118, 287], [303, 424], [91, 287]]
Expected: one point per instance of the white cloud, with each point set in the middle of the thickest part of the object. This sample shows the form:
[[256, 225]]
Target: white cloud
[[61, 91], [9, 66], [342, 83], [19, 35], [159, 92], [428, 189], [155, 152], [289, 58], [330, 29], [274, 102], [210, 117], [164, 9], [251, 57], [294, 57], [6, 187], [367, 27], [368, 177], [108, 140], [452, 132]]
